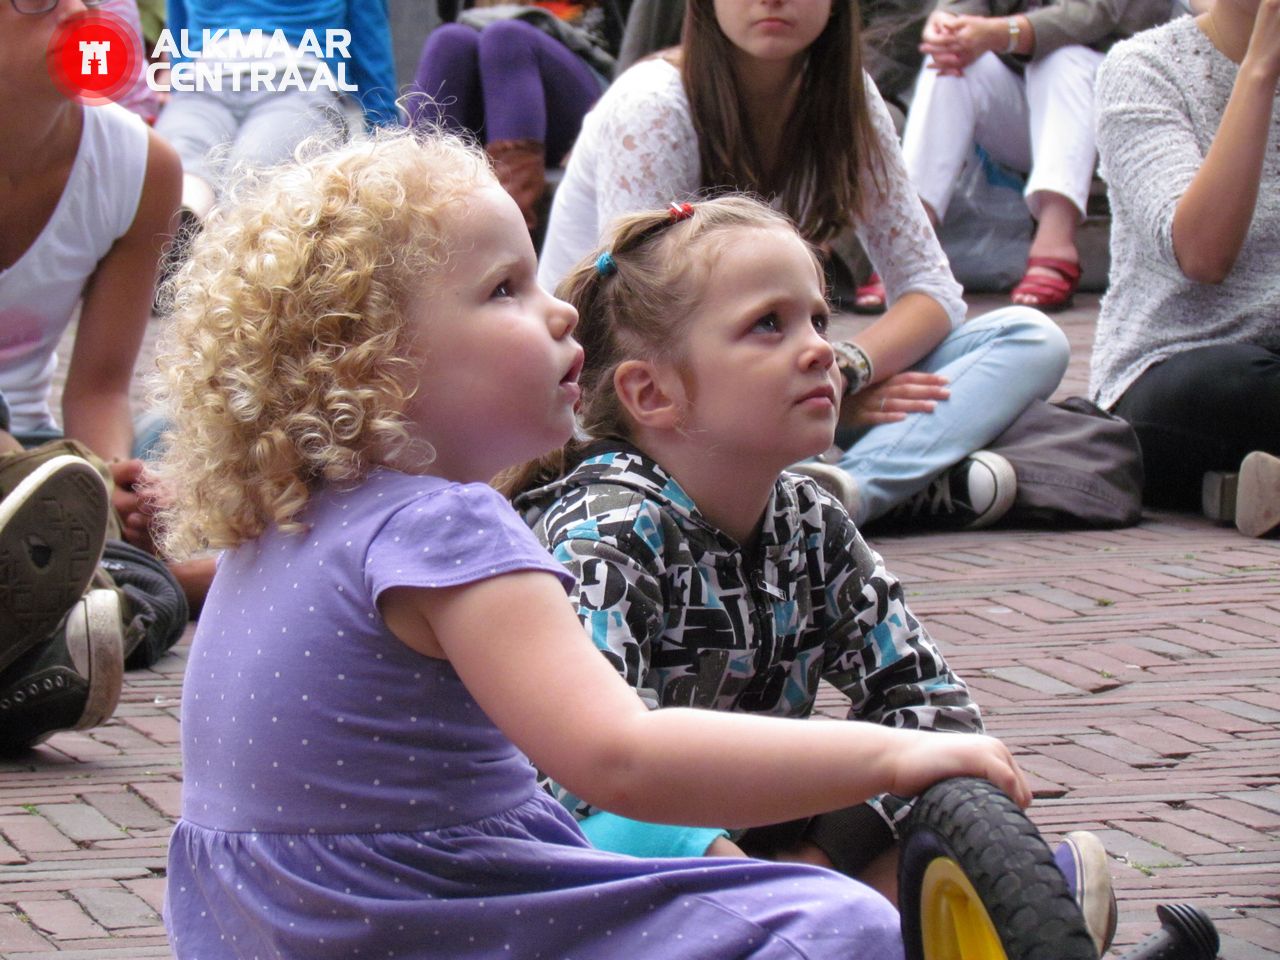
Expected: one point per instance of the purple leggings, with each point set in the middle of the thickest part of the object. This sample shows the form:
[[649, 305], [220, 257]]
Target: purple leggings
[[509, 81]]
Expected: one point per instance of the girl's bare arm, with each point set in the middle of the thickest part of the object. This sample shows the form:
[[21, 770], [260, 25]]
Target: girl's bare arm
[[516, 644]]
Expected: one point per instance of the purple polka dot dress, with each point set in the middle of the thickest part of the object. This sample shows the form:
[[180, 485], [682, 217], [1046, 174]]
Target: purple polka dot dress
[[344, 796]]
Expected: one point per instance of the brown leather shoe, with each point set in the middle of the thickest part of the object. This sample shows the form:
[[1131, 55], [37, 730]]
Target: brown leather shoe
[[1258, 495], [521, 166]]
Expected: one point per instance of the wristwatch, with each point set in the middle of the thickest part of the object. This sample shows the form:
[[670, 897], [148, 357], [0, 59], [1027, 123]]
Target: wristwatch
[[854, 364], [1015, 32]]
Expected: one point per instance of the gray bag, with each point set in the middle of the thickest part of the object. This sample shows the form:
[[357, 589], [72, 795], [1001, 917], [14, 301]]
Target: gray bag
[[1077, 467]]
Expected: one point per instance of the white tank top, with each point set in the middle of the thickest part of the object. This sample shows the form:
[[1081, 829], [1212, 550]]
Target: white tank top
[[39, 293]]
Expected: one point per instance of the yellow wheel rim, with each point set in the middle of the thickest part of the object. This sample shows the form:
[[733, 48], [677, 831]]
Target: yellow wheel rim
[[954, 924]]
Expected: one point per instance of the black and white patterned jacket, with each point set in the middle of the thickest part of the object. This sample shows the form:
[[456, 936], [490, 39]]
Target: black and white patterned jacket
[[690, 620]]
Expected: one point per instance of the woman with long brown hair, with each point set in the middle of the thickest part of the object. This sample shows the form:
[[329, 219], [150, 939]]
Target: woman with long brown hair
[[769, 96]]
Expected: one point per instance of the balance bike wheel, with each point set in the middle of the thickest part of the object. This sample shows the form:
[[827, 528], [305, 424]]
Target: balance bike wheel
[[977, 882]]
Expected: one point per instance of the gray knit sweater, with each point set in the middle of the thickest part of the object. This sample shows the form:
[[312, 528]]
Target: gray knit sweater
[[1159, 99]]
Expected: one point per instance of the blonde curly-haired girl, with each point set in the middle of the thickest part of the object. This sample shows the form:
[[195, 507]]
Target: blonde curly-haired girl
[[360, 343]]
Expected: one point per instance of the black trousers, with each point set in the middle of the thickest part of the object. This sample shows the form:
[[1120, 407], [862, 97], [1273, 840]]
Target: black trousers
[[1202, 410]]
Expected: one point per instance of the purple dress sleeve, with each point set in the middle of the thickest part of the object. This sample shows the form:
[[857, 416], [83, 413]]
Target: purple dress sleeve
[[454, 535]]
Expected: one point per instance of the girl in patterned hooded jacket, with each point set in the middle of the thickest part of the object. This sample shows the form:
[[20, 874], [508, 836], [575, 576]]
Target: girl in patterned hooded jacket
[[706, 574]]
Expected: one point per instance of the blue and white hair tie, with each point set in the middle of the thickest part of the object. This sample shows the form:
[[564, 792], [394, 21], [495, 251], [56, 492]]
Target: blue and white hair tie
[[606, 265]]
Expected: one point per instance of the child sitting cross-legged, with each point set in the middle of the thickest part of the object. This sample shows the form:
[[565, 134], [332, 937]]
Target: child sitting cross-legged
[[706, 575]]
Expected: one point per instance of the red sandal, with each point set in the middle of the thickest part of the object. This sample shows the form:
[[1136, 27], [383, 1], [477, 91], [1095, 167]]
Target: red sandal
[[870, 296], [1051, 293]]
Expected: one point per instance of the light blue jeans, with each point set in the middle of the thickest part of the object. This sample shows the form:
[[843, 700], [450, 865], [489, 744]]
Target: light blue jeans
[[997, 364]]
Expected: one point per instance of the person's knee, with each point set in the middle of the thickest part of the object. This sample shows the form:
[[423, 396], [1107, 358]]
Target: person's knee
[[1219, 381], [1040, 342], [450, 40], [507, 38], [1073, 60]]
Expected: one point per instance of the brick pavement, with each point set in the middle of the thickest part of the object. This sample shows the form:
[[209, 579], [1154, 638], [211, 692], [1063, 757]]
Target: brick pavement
[[1135, 673]]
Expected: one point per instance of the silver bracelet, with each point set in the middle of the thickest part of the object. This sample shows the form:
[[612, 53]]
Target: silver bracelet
[[856, 366]]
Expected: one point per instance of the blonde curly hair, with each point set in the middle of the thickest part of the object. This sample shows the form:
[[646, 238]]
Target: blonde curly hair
[[285, 364]]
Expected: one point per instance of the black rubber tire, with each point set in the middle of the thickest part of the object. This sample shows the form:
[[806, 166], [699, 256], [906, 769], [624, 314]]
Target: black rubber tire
[[1011, 868]]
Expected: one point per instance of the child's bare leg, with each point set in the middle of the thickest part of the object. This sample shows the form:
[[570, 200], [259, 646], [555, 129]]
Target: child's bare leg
[[724, 847], [881, 874], [194, 576]]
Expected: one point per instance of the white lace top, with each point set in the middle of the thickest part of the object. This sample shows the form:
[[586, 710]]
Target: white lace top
[[638, 151]]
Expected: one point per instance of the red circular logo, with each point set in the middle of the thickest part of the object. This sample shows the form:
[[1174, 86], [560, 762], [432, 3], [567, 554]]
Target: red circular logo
[[94, 57]]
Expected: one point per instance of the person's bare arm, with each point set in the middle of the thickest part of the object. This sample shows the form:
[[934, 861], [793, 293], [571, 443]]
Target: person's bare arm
[[113, 317], [907, 331], [113, 321], [519, 649], [1212, 218]]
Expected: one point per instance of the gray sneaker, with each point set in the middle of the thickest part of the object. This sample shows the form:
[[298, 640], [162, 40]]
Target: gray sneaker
[[53, 522], [1083, 861]]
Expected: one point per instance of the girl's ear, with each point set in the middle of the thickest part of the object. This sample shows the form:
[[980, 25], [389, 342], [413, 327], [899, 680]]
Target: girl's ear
[[651, 396]]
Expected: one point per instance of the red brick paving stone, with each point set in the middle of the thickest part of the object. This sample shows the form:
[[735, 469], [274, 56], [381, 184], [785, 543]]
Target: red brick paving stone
[[1243, 814], [1034, 680], [159, 728], [61, 920], [1036, 607], [1239, 949], [1086, 759], [9, 855], [32, 835], [127, 810], [1118, 748], [1074, 675], [164, 795], [1159, 741], [1173, 838], [117, 908], [1225, 722], [78, 821], [17, 935], [150, 890]]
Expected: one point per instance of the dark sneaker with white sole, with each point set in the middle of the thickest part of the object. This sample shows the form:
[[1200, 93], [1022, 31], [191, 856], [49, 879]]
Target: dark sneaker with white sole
[[53, 522], [1083, 861], [973, 494], [71, 681]]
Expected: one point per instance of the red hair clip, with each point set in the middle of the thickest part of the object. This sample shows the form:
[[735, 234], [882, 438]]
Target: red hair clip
[[680, 211]]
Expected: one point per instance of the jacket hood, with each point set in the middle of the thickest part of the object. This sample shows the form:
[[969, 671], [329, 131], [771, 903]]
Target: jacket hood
[[619, 464]]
